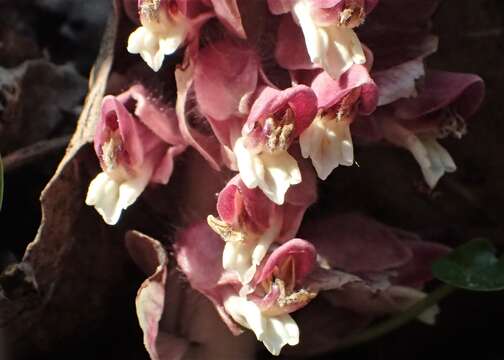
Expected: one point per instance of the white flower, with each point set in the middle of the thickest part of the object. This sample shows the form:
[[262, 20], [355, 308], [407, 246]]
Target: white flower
[[273, 172], [328, 143], [274, 331], [159, 35], [434, 159], [334, 48], [244, 250], [244, 256], [110, 196]]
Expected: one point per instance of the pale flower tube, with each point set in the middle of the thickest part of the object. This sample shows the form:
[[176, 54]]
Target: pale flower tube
[[276, 119]]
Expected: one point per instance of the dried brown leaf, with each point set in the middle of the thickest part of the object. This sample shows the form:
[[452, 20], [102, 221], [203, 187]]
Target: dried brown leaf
[[74, 258]]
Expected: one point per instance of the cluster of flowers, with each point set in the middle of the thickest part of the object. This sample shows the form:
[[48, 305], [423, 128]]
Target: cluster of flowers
[[278, 91]]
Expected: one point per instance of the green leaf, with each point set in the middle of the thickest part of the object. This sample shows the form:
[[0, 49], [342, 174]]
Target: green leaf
[[472, 266]]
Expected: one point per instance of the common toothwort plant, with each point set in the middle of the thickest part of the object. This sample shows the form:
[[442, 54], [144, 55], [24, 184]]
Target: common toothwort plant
[[272, 116]]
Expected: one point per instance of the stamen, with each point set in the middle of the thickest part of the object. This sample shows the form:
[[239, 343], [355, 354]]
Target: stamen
[[279, 131], [111, 150], [224, 230], [345, 110], [301, 296], [283, 278], [149, 10], [352, 15], [452, 123], [347, 107]]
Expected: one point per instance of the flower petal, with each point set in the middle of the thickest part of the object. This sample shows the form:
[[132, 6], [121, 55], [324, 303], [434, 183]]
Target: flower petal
[[280, 172]]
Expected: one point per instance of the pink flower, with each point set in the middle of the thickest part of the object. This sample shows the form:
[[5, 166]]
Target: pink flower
[[136, 143], [266, 310], [250, 223], [260, 263], [363, 266], [164, 29], [441, 108], [166, 25], [278, 291], [276, 119], [327, 28]]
